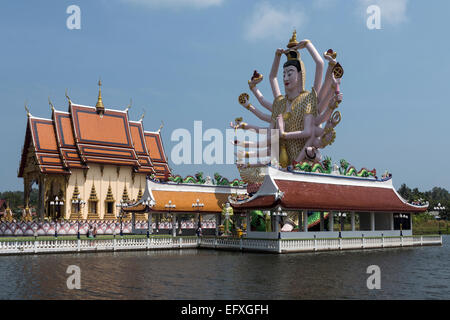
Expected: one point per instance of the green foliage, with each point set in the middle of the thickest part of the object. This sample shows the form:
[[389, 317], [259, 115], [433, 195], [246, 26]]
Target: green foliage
[[434, 197], [15, 199]]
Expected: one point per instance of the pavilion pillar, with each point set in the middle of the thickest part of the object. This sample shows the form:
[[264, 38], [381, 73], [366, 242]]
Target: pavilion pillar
[[217, 224], [353, 221], [41, 198], [174, 225], [391, 221], [331, 221], [321, 221], [372, 221], [305, 221], [277, 223], [150, 223]]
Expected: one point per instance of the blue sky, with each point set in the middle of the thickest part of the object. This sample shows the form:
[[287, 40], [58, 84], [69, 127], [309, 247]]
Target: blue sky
[[187, 60]]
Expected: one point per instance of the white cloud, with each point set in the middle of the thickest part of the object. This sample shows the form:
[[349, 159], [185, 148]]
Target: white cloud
[[392, 11], [175, 3], [272, 22]]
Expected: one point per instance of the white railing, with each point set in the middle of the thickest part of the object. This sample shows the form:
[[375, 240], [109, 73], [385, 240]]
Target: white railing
[[267, 245]]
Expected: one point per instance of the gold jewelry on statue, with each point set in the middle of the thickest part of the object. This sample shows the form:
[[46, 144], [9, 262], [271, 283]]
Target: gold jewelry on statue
[[248, 106], [278, 54], [286, 115]]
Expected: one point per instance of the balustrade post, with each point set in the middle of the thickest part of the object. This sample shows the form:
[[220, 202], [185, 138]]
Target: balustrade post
[[78, 245], [240, 244], [181, 242], [421, 240], [382, 241], [315, 243], [363, 242], [340, 243], [35, 246]]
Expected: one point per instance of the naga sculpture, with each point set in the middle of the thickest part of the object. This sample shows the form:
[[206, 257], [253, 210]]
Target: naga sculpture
[[305, 119]]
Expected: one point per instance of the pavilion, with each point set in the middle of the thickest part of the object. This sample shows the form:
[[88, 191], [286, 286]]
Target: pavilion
[[375, 208]]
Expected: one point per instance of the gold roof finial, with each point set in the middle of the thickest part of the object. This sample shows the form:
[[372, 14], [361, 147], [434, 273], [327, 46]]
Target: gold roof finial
[[160, 127], [99, 106], [129, 105], [142, 117], [28, 110], [293, 41], [68, 99], [51, 104]]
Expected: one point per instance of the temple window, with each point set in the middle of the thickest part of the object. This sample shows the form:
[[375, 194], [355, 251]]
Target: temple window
[[109, 202], [93, 201]]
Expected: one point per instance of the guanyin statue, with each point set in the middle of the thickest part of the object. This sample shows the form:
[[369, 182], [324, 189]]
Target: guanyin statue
[[305, 119]]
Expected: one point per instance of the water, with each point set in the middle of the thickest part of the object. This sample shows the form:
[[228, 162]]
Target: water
[[406, 273]]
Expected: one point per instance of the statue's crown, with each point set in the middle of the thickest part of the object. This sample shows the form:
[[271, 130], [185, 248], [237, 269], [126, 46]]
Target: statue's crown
[[293, 41], [293, 54]]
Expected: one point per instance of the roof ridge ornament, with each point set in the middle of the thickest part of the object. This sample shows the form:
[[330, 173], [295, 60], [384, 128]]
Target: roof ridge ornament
[[129, 105], [160, 127], [51, 104], [27, 109], [99, 106], [142, 117], [68, 99]]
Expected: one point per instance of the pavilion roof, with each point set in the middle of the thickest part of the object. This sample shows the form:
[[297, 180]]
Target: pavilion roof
[[183, 196], [324, 192], [81, 136]]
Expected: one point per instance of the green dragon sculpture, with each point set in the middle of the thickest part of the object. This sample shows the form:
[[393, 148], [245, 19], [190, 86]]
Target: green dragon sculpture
[[347, 170], [222, 181], [325, 167], [198, 179]]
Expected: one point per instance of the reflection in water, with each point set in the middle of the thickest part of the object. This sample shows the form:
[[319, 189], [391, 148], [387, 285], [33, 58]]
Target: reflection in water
[[407, 273]]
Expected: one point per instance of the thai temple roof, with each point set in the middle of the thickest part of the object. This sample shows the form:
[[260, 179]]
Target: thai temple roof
[[88, 134]]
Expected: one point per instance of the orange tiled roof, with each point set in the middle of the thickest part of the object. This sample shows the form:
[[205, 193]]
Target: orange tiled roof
[[157, 154], [81, 136]]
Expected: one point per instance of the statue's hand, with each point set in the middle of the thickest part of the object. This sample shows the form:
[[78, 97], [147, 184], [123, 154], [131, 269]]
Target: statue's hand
[[301, 45], [334, 120], [238, 125], [330, 57], [279, 52]]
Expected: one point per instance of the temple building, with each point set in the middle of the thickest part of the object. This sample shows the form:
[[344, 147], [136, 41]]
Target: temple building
[[89, 159]]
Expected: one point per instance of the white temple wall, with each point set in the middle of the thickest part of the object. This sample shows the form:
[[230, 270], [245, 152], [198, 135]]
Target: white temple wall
[[115, 176]]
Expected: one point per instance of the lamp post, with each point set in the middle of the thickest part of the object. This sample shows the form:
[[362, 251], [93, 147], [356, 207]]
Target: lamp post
[[149, 203], [171, 206], [340, 222], [439, 209], [57, 205], [121, 206], [79, 204], [401, 217], [199, 205]]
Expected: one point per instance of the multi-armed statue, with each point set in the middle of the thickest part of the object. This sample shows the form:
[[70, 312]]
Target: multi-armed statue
[[305, 119]]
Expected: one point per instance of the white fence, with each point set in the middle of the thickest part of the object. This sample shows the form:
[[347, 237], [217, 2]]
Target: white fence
[[242, 244], [96, 245]]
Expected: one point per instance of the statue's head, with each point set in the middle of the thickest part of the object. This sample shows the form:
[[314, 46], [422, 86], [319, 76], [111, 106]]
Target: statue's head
[[293, 72]]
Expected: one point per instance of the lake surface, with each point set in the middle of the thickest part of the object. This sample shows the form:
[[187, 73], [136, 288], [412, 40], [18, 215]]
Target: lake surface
[[406, 273]]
